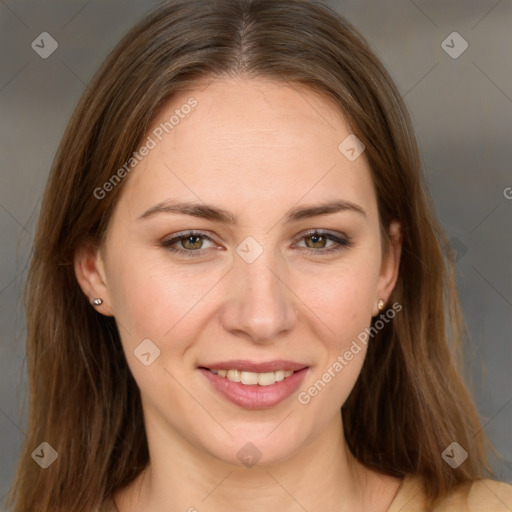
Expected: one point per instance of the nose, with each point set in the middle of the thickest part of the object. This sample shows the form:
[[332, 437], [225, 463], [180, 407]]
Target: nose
[[260, 305]]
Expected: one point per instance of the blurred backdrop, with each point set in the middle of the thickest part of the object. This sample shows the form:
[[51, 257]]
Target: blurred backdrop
[[451, 61]]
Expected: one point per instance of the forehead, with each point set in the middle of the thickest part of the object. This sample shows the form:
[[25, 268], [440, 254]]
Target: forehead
[[247, 141]]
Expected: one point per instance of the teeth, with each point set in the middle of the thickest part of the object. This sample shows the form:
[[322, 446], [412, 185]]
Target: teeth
[[252, 378], [265, 379], [233, 375], [249, 378]]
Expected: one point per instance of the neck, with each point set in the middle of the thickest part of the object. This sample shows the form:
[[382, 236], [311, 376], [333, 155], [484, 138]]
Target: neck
[[322, 476]]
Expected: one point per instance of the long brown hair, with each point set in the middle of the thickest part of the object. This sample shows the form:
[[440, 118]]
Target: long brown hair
[[409, 402]]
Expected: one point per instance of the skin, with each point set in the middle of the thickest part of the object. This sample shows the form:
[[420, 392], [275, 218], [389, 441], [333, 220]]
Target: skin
[[255, 148]]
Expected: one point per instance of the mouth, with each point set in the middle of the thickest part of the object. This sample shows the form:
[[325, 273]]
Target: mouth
[[255, 385]]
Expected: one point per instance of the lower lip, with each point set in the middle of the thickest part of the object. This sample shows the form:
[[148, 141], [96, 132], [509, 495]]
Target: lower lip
[[255, 396]]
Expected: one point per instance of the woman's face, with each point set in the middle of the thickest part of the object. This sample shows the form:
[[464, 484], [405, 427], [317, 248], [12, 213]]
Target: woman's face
[[252, 285]]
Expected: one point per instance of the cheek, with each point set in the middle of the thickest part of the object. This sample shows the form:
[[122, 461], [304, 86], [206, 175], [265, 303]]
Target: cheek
[[154, 299], [344, 301], [166, 305], [147, 293], [344, 307]]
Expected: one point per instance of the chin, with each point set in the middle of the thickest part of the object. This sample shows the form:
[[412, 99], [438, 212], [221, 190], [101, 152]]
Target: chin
[[255, 446]]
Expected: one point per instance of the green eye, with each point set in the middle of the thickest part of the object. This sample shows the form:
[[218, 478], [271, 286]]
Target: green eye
[[318, 240], [191, 243]]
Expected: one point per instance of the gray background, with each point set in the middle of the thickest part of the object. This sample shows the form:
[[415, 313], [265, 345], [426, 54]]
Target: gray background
[[461, 109]]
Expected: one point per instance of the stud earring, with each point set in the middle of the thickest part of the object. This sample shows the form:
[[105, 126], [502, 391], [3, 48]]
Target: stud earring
[[380, 305], [97, 302]]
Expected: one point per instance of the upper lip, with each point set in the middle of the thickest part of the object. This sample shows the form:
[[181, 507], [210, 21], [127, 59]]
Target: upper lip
[[251, 366]]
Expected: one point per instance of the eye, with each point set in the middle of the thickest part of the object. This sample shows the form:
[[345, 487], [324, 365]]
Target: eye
[[191, 242], [316, 241]]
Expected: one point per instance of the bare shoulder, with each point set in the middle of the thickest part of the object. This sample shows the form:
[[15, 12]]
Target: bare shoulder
[[481, 496], [490, 496]]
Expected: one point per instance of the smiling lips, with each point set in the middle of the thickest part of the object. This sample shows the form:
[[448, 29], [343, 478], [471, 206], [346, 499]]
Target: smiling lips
[[255, 385]]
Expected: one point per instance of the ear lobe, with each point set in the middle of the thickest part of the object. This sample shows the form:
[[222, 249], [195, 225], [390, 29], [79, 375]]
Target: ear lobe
[[90, 274], [390, 264]]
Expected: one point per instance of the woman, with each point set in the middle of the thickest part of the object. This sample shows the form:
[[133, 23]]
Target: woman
[[235, 245]]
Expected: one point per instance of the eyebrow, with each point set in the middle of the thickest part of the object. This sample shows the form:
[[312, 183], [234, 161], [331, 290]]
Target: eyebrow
[[213, 213]]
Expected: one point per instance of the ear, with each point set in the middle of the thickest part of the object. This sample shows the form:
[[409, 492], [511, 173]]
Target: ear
[[390, 266], [90, 274]]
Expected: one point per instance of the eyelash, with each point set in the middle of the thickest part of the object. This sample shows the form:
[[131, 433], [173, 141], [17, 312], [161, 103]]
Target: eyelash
[[341, 243]]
